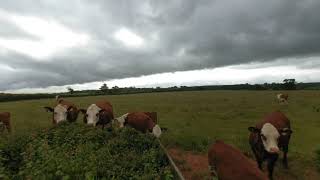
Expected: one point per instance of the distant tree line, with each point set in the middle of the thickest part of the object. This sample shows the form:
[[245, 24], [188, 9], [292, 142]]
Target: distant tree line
[[288, 84]]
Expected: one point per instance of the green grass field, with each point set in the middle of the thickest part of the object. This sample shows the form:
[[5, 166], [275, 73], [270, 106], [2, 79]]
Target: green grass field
[[195, 119]]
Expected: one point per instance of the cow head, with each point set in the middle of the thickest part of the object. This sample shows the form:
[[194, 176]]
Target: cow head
[[62, 113], [95, 114], [121, 120], [269, 136]]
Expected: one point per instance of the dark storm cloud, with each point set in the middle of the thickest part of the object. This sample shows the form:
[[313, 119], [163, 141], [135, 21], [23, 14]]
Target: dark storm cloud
[[179, 35]]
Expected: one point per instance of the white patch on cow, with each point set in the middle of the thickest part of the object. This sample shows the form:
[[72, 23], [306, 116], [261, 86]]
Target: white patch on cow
[[156, 131], [271, 134], [279, 96], [60, 113], [121, 120], [92, 114]]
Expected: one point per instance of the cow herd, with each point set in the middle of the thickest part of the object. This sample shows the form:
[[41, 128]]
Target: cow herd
[[101, 113], [267, 138]]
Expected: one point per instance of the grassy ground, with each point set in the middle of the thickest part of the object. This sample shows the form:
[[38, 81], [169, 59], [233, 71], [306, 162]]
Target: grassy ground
[[195, 119]]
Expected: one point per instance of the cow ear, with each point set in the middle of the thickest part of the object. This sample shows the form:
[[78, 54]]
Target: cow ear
[[253, 129], [286, 131], [83, 111], [48, 109]]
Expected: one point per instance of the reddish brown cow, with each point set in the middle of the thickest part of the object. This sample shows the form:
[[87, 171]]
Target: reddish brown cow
[[141, 122], [268, 137], [99, 113], [5, 120], [228, 163], [64, 110]]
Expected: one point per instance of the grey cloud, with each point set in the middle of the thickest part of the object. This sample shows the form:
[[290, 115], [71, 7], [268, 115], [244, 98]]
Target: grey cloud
[[211, 33]]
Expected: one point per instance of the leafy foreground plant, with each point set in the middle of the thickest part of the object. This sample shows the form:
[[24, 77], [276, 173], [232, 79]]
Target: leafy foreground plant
[[71, 151]]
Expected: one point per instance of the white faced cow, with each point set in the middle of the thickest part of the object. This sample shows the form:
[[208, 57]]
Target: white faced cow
[[140, 121], [268, 137], [64, 110], [99, 113]]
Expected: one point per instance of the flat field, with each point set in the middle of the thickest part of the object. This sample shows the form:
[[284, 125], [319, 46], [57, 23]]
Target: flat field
[[195, 119]]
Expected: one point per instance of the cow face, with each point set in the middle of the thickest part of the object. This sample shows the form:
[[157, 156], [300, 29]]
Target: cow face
[[121, 120], [156, 131], [269, 136], [59, 113], [62, 113], [92, 114]]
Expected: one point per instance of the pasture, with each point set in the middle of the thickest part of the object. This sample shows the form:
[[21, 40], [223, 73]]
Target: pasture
[[195, 119]]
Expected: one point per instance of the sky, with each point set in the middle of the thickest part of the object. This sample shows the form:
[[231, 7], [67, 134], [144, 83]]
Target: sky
[[49, 45]]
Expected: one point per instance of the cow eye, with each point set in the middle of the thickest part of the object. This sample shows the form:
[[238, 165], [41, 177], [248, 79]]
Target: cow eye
[[55, 113], [263, 137], [87, 115]]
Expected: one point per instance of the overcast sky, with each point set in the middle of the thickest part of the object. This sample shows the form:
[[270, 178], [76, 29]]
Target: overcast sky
[[47, 45]]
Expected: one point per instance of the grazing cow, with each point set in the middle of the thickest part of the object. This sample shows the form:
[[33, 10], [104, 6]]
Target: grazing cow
[[283, 98], [5, 121], [229, 163], [268, 137], [64, 110], [141, 122], [99, 113]]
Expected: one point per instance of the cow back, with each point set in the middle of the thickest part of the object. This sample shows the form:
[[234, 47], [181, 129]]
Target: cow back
[[277, 119], [139, 121], [153, 116], [230, 163]]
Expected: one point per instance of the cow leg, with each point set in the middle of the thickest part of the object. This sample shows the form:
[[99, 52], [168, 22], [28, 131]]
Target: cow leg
[[271, 162], [285, 159], [258, 158]]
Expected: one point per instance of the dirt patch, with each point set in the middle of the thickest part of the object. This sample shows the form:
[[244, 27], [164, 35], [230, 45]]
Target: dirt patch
[[193, 166]]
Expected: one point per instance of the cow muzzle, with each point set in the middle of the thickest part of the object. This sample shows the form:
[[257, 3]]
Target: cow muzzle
[[274, 150]]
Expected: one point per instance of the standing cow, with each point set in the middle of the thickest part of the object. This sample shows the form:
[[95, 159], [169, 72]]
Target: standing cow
[[229, 163], [141, 122], [5, 121], [268, 137], [64, 110], [282, 98], [99, 113]]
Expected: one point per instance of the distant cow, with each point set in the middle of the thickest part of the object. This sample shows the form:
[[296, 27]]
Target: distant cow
[[283, 98], [141, 122], [229, 163], [5, 121], [99, 113], [64, 110], [268, 137]]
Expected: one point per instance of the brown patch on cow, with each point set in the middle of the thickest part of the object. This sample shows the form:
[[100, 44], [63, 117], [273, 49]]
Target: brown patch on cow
[[193, 166], [153, 116], [5, 119], [140, 121]]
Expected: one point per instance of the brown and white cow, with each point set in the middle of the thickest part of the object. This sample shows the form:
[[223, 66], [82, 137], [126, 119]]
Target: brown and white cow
[[268, 137], [100, 112], [5, 121], [141, 122], [64, 110], [229, 163], [282, 98]]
